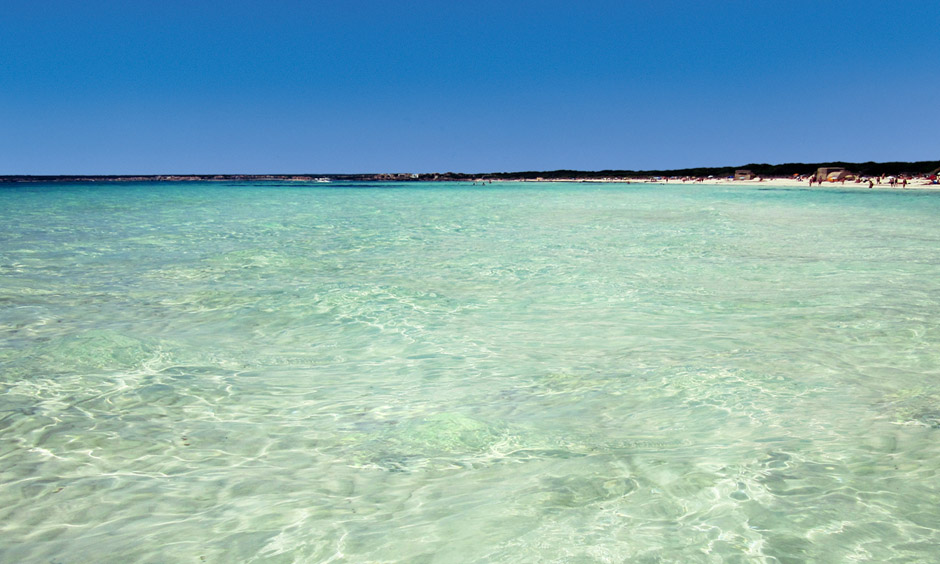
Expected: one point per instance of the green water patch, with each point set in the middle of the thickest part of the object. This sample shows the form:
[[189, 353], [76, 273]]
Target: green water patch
[[914, 406], [573, 491], [572, 382], [454, 440], [91, 351], [439, 439]]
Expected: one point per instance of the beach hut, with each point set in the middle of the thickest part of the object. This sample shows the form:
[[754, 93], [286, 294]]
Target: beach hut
[[839, 175], [832, 174], [743, 174]]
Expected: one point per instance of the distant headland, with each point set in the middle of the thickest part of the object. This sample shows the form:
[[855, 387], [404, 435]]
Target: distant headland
[[759, 170]]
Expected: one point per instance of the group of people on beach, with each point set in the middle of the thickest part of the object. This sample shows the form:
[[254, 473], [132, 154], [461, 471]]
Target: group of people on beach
[[893, 181]]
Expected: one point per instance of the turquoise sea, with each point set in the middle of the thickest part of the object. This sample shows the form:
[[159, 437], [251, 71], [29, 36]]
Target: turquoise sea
[[440, 373]]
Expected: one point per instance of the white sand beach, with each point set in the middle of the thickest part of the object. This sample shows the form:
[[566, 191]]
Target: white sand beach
[[877, 183]]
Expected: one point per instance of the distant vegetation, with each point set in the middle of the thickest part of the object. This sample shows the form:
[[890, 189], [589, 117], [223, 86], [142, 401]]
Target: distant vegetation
[[760, 169]]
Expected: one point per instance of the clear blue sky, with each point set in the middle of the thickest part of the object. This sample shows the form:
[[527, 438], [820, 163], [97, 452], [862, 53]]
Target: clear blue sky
[[237, 86]]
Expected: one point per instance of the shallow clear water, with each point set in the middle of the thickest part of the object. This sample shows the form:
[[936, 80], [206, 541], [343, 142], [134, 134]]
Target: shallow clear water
[[453, 373]]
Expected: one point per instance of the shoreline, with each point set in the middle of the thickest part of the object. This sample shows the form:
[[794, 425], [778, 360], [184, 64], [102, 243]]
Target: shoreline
[[915, 183]]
